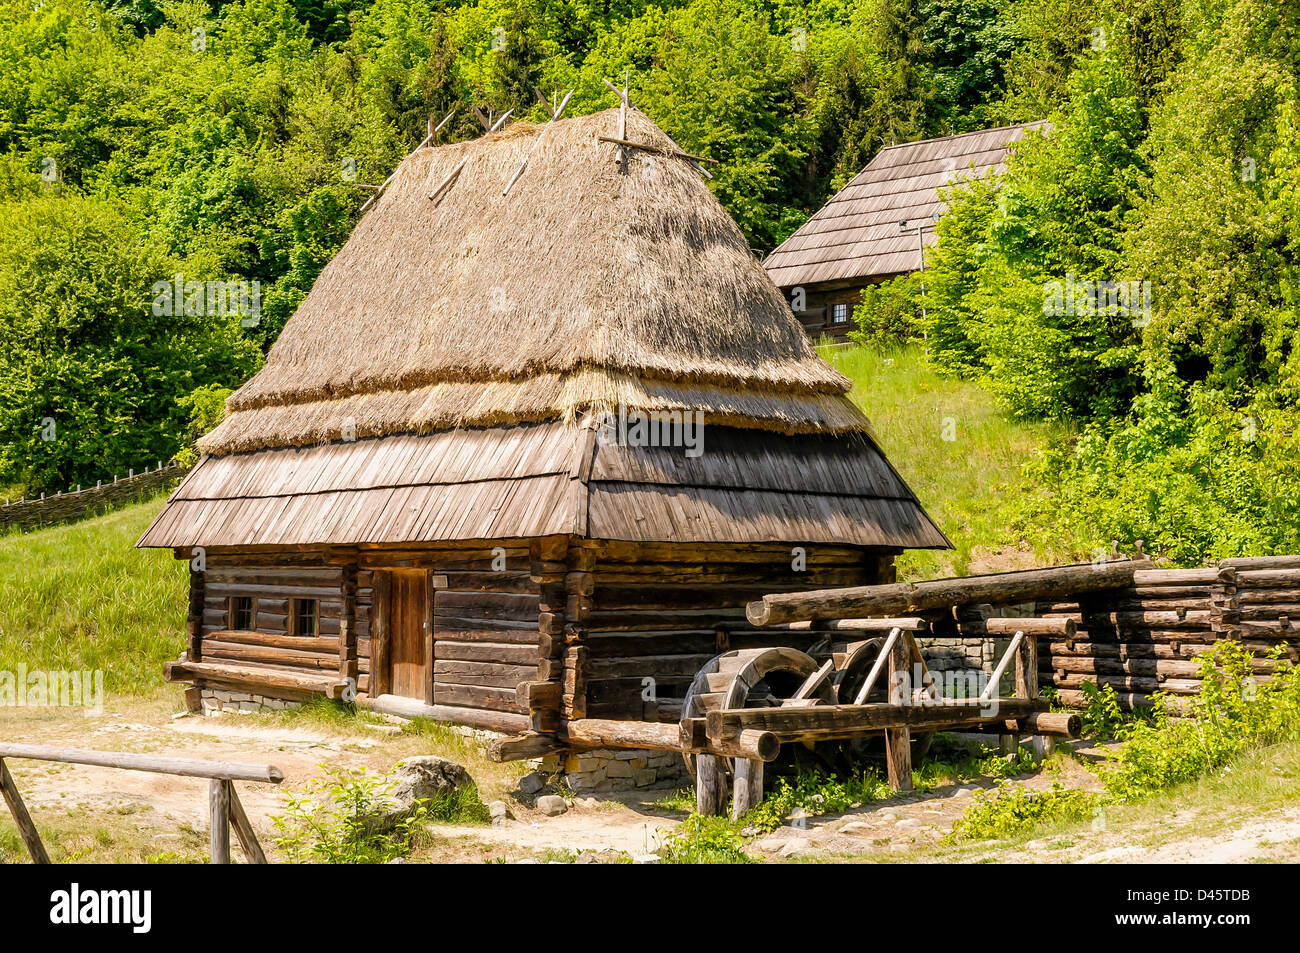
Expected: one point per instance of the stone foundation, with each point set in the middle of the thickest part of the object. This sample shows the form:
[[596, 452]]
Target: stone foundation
[[952, 660], [603, 771], [213, 701]]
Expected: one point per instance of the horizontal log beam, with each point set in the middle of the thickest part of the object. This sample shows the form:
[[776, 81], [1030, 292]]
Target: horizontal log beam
[[256, 677], [909, 598], [129, 761], [905, 623], [523, 747], [830, 722]]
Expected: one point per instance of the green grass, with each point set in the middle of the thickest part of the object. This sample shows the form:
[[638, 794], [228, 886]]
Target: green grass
[[81, 596], [970, 484]]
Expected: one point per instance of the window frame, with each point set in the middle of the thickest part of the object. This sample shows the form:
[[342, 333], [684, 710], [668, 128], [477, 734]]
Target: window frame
[[839, 308], [232, 614], [295, 607]]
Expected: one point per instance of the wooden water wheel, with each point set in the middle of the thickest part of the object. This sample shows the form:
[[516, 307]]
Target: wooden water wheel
[[853, 664], [750, 678]]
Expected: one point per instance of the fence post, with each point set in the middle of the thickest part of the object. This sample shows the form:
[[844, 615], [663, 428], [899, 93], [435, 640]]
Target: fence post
[[26, 827], [219, 811]]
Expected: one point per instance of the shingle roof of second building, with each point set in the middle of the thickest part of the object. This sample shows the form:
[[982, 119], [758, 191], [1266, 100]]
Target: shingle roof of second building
[[856, 234]]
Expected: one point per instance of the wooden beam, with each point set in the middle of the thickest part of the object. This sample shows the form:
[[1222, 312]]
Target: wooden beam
[[523, 747], [898, 740], [219, 821], [380, 614], [911, 598], [882, 659], [129, 761], [747, 789], [329, 686], [647, 147], [244, 830], [536, 142], [710, 786], [904, 623], [26, 827], [831, 722], [991, 689]]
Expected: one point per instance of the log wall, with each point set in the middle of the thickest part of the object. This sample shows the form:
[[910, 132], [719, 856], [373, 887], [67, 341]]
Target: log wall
[[1147, 638], [642, 619]]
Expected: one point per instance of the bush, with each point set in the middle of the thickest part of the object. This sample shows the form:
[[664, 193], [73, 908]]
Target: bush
[[705, 840], [1189, 737], [1007, 811], [334, 822]]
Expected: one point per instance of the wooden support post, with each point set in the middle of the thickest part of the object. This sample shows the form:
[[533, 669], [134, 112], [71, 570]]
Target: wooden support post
[[348, 668], [1008, 745], [379, 629], [1027, 667], [194, 620], [244, 830], [26, 828], [1042, 746], [710, 786], [898, 741], [219, 820], [747, 790]]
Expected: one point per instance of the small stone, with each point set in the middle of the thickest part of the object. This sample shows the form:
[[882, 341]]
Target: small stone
[[587, 857], [531, 783], [645, 858], [855, 827], [552, 805], [905, 822], [498, 809], [588, 802], [771, 843], [889, 816]]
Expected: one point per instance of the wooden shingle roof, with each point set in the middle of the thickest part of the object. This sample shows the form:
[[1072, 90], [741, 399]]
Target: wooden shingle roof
[[548, 479], [856, 234]]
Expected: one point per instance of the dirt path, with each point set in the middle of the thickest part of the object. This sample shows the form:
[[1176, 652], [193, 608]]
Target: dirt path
[[112, 815]]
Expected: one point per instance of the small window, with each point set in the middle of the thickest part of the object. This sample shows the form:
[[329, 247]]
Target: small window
[[839, 313], [304, 617], [240, 614]]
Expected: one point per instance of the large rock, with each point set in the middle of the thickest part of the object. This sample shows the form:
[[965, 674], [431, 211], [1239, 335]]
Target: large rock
[[427, 777], [422, 778]]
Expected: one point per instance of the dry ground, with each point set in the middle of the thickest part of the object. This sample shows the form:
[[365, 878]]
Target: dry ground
[[98, 815]]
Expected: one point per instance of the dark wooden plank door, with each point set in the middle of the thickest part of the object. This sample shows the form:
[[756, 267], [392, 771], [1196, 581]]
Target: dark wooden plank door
[[411, 637]]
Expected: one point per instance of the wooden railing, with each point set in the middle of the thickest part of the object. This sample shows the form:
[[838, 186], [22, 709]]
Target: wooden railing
[[223, 804]]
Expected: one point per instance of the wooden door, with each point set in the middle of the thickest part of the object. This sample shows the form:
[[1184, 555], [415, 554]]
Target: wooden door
[[411, 636]]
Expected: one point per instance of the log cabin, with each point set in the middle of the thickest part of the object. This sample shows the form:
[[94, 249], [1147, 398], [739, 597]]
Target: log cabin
[[535, 437], [877, 227]]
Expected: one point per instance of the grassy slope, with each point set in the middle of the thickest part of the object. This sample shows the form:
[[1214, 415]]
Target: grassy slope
[[81, 596], [968, 484]]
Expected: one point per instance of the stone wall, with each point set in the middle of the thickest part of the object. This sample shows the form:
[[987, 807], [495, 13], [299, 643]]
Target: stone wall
[[587, 772], [955, 659], [213, 701], [63, 507]]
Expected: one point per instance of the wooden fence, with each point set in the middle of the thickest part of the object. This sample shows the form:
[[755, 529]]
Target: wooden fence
[[73, 505], [223, 803]]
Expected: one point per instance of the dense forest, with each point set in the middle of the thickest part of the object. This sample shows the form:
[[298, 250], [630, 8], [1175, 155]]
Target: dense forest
[[148, 148]]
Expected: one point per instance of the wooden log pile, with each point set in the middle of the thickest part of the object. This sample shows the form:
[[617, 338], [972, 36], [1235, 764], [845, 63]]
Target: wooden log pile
[[1148, 637]]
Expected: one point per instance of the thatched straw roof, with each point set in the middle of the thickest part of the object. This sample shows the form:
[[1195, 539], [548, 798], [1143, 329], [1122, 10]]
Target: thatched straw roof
[[582, 288], [439, 381]]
